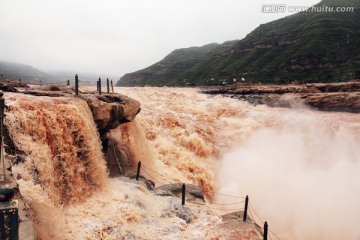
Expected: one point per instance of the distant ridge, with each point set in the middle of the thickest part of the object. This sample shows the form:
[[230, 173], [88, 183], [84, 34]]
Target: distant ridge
[[304, 47], [14, 71], [28, 74]]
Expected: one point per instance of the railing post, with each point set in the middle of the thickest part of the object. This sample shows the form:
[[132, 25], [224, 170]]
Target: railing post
[[108, 85], [2, 107], [266, 231], [138, 171], [183, 194], [99, 85], [112, 86], [76, 85], [246, 208]]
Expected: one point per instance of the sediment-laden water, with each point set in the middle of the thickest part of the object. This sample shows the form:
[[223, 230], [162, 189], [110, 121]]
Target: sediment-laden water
[[299, 167]]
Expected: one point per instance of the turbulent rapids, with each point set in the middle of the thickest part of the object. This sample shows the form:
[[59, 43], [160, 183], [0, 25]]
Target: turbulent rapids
[[299, 167]]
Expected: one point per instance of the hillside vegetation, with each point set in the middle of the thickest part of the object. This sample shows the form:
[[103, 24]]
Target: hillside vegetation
[[304, 47]]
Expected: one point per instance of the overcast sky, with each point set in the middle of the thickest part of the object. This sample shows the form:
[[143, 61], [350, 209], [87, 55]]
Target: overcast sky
[[119, 36]]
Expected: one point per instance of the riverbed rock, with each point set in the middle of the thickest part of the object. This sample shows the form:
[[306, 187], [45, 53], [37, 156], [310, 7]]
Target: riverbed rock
[[193, 192], [232, 227], [11, 86]]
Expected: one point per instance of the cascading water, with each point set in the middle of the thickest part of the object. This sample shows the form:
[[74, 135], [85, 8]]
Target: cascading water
[[61, 161]]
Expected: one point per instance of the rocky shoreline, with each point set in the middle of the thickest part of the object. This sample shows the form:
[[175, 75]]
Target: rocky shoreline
[[340, 97]]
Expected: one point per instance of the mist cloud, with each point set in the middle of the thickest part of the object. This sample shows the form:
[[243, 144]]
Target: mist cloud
[[302, 175]]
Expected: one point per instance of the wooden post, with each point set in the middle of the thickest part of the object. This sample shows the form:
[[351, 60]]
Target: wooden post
[[138, 171], [99, 85], [76, 85], [108, 85], [266, 231], [2, 107], [183, 194], [246, 208], [112, 86]]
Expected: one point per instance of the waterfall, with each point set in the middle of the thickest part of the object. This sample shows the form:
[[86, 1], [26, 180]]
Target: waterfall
[[57, 159]]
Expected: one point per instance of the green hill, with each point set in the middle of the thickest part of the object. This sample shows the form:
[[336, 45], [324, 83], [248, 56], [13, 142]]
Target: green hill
[[305, 47], [168, 70]]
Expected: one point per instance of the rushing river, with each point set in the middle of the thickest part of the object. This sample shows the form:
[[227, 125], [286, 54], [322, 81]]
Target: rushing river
[[299, 167]]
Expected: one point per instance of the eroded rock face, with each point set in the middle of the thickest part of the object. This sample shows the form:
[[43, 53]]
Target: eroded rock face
[[118, 159], [110, 110]]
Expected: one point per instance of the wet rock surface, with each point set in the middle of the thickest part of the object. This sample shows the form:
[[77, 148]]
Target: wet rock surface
[[11, 86], [192, 192], [233, 227]]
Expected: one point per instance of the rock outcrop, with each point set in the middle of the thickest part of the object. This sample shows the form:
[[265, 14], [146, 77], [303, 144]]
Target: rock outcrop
[[110, 110], [342, 97], [233, 227], [192, 192], [11, 86]]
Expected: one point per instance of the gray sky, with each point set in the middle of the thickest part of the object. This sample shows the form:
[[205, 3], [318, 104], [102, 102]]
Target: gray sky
[[119, 36]]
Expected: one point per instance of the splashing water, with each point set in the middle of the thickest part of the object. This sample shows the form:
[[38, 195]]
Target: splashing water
[[301, 171]]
